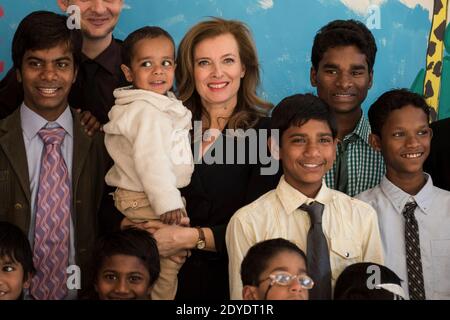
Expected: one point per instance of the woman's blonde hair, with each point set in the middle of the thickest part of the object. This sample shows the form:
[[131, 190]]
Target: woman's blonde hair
[[250, 108]]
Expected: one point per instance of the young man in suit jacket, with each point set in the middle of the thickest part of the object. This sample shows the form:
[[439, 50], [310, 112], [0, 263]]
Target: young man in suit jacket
[[46, 56]]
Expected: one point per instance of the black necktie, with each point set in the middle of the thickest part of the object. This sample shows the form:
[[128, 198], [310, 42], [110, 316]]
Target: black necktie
[[413, 259], [341, 174], [318, 254]]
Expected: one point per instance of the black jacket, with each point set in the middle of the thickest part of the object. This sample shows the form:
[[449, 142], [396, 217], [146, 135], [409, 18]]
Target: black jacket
[[215, 193]]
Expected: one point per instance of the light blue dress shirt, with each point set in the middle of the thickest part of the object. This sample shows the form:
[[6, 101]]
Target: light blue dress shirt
[[433, 217], [34, 146]]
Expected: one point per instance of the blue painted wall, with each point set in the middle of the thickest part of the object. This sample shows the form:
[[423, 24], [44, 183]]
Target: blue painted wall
[[283, 31]]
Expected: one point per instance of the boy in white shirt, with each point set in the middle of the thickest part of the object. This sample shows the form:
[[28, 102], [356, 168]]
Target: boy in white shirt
[[414, 215], [148, 139], [343, 230]]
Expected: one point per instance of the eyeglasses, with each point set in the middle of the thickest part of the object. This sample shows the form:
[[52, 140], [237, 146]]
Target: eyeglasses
[[285, 279]]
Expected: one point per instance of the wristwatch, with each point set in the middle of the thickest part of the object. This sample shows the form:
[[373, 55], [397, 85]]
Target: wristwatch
[[201, 242]]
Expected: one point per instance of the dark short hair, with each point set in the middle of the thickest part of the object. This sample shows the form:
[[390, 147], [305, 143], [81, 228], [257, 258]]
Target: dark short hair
[[344, 33], [148, 32], [352, 283], [44, 30], [259, 255], [392, 100], [15, 246], [131, 242], [298, 109]]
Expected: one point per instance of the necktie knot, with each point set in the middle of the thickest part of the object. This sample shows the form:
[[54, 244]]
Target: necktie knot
[[344, 144], [314, 210], [408, 211], [52, 136]]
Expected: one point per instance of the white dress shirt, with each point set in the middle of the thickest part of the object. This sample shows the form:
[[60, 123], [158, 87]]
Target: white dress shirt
[[433, 217], [350, 227]]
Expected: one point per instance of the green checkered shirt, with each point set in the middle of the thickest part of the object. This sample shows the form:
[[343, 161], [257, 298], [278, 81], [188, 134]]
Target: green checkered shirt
[[365, 166]]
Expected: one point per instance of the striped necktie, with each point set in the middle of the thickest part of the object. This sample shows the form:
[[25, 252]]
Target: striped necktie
[[51, 237]]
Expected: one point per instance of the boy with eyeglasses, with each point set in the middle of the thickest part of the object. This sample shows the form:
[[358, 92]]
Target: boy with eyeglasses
[[275, 269], [334, 229]]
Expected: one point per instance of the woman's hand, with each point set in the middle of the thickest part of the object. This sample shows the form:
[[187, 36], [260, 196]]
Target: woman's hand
[[171, 239], [127, 223], [168, 246]]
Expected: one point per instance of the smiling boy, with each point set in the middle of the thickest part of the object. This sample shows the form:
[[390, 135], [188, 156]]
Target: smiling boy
[[44, 151], [343, 56], [336, 229], [126, 265], [413, 214], [16, 262]]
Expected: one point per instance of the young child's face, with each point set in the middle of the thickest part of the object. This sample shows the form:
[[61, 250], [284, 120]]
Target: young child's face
[[405, 140], [286, 262], [123, 277], [152, 65], [11, 279], [307, 153], [342, 78]]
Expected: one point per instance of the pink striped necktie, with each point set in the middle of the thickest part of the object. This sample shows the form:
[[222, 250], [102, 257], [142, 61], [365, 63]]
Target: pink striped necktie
[[51, 236]]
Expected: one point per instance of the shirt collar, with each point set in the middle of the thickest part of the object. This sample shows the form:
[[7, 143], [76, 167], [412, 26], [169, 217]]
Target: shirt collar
[[108, 58], [291, 199], [399, 198], [362, 130], [33, 122]]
